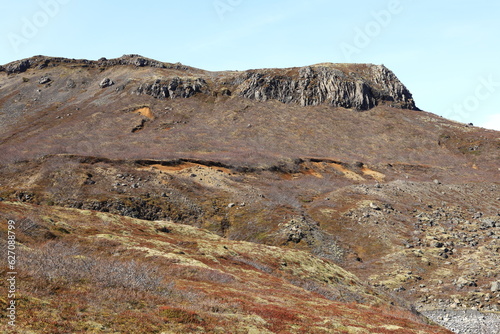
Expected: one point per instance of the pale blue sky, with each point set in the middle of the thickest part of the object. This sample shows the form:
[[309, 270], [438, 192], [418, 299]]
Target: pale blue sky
[[446, 52]]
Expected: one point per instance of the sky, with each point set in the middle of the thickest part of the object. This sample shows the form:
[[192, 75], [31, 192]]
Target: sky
[[445, 51]]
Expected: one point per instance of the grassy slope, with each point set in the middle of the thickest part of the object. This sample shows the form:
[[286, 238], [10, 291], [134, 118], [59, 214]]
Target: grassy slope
[[85, 271]]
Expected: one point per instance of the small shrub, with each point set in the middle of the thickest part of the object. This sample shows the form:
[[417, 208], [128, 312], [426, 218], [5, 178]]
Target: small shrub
[[61, 264]]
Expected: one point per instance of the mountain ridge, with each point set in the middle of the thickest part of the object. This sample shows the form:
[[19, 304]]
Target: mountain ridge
[[358, 86]]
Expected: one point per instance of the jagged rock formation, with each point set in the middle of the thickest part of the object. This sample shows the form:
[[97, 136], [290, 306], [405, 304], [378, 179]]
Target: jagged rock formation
[[173, 88], [320, 84]]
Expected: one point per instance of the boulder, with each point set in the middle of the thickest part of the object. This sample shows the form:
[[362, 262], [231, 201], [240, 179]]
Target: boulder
[[44, 80], [106, 82], [487, 223]]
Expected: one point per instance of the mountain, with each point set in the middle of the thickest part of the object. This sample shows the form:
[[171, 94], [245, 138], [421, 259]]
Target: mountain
[[311, 199]]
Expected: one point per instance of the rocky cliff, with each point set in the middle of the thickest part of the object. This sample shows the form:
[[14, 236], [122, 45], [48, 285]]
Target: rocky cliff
[[360, 87]]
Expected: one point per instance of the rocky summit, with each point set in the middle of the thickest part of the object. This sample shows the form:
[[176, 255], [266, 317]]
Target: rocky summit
[[157, 197]]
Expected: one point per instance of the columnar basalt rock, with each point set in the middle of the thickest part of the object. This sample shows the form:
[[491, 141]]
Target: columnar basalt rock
[[326, 84]]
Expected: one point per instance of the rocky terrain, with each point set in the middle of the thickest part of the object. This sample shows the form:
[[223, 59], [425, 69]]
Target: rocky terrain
[[269, 192], [466, 321]]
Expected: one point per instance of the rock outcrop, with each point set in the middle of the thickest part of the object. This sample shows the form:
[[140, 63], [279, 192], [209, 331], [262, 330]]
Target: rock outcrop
[[41, 62], [314, 85], [173, 88], [106, 82]]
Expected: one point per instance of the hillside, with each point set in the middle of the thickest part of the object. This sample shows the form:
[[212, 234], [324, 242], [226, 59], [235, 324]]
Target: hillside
[[97, 272], [291, 179]]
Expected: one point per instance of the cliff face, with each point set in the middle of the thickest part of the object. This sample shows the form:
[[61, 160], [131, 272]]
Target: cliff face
[[356, 86], [361, 89]]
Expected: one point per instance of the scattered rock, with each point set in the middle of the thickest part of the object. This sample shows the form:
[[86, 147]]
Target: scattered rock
[[487, 223], [44, 80], [70, 84], [225, 92], [467, 321], [437, 244], [477, 215], [463, 282], [106, 82], [495, 286]]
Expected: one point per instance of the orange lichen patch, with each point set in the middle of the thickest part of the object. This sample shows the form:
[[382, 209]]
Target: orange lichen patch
[[326, 167], [145, 111], [170, 169], [347, 173], [313, 173], [376, 175], [288, 176], [185, 165]]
